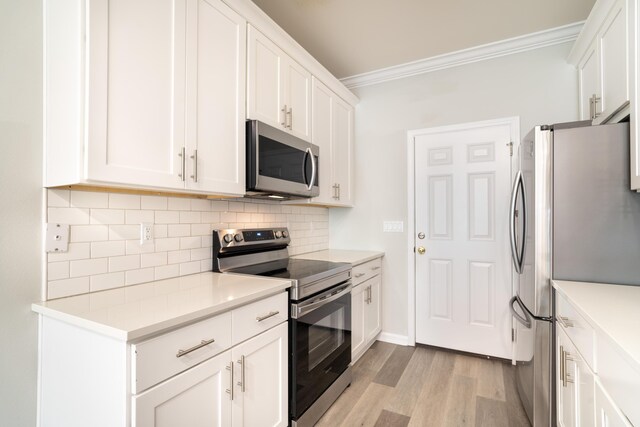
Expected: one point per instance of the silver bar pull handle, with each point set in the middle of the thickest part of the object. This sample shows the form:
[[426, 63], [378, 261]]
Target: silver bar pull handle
[[375, 268], [565, 321], [290, 114], [241, 382], [596, 99], [591, 107], [562, 367], [284, 116], [203, 343], [230, 389], [339, 192], [359, 275], [181, 154], [265, 317], [195, 166]]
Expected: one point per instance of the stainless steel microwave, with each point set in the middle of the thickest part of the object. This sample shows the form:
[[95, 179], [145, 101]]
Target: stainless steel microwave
[[280, 165]]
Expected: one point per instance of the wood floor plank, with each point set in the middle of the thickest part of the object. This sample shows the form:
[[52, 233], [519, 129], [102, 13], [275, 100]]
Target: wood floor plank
[[376, 356], [466, 365], [461, 402], [429, 409], [391, 419], [394, 367], [369, 406], [491, 413], [415, 376], [490, 380], [515, 410]]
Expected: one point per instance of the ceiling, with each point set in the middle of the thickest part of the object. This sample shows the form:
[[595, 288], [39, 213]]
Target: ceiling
[[351, 37]]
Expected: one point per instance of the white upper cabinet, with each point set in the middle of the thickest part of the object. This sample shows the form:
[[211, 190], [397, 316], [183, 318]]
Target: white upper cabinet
[[601, 55], [158, 88], [278, 89]]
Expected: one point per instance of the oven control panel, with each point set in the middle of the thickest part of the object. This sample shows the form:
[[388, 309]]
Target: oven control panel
[[246, 238]]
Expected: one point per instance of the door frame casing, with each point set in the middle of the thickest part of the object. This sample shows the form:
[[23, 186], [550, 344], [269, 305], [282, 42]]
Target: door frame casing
[[514, 124]]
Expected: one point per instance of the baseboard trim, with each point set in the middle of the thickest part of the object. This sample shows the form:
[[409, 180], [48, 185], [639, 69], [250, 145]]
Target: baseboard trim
[[393, 338], [537, 40]]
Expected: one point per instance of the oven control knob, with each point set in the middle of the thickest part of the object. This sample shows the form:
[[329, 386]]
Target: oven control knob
[[285, 234], [278, 234], [228, 238], [238, 238]]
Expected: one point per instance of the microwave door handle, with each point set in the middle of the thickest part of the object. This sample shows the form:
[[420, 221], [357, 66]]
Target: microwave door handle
[[314, 169], [309, 182]]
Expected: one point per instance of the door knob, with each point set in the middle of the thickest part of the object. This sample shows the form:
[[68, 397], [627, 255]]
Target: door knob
[[421, 250]]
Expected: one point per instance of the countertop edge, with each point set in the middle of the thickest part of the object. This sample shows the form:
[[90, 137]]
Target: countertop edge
[[371, 255], [160, 327]]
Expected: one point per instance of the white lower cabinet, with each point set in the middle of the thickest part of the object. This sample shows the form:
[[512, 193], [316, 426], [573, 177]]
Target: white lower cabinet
[[199, 397], [366, 307], [607, 413]]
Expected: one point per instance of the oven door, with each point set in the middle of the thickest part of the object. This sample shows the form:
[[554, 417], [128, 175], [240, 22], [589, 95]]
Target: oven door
[[320, 345], [280, 163]]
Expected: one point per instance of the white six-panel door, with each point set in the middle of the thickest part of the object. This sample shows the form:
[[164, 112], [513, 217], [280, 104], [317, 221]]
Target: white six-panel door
[[463, 279]]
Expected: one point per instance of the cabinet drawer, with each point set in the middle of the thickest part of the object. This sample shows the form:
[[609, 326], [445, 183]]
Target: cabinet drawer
[[578, 330], [157, 359], [619, 377], [366, 271], [259, 316]]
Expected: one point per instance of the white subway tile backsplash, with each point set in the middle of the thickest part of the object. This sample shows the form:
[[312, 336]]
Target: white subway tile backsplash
[[76, 251], [153, 260], [87, 267], [123, 263], [167, 217], [67, 287], [166, 271], [105, 250], [68, 215], [107, 216], [179, 230], [58, 270], [153, 203], [179, 204], [88, 233], [177, 257], [88, 199], [58, 198], [134, 277], [106, 281], [138, 217], [124, 201]]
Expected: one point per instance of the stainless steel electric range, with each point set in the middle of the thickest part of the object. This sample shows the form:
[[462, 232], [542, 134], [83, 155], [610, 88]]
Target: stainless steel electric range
[[319, 318]]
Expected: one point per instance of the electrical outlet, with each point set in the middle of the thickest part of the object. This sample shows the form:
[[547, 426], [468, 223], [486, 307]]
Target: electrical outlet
[[146, 233]]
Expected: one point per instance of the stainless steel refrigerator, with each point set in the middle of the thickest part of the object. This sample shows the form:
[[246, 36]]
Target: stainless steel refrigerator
[[571, 200]]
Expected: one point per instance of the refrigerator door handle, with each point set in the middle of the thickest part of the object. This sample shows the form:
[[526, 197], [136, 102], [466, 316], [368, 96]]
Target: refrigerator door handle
[[525, 320], [518, 184]]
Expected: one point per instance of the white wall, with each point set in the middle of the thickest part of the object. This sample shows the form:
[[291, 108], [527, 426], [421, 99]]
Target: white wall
[[20, 206], [538, 86]]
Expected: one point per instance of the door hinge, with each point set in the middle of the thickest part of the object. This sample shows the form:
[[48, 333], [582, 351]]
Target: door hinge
[[510, 145]]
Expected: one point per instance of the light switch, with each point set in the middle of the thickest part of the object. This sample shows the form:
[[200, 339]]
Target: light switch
[[393, 226], [57, 238]]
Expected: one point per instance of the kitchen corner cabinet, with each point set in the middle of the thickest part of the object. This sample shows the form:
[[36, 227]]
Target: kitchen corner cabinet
[[333, 132], [366, 306], [601, 54], [145, 94], [278, 89], [226, 370]]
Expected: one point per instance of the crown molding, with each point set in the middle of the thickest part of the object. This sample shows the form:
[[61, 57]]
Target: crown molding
[[537, 40]]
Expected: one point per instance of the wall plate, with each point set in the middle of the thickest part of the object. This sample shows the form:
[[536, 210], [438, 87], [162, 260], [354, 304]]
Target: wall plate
[[57, 238]]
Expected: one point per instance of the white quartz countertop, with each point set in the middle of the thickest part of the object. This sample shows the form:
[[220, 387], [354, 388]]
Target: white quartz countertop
[[341, 255], [134, 312], [614, 310]]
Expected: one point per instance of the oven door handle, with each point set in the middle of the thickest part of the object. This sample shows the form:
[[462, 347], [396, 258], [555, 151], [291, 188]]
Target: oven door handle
[[298, 310]]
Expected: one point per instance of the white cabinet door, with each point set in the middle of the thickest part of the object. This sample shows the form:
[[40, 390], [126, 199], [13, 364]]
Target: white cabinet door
[[342, 152], [565, 384], [265, 97], [297, 86], [215, 142], [321, 135], [261, 380], [136, 91], [372, 318], [588, 77], [607, 413], [613, 41], [195, 398], [358, 297]]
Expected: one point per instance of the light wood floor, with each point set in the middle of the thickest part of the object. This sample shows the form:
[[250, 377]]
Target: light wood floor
[[422, 386]]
